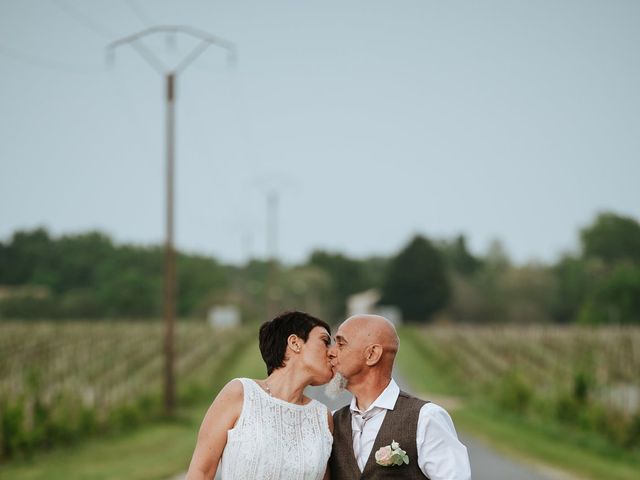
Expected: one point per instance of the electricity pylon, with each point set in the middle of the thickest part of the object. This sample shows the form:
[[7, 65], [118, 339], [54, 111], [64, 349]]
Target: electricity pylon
[[170, 74]]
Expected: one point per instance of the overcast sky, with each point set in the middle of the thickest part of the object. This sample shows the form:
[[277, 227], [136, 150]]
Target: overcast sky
[[374, 120]]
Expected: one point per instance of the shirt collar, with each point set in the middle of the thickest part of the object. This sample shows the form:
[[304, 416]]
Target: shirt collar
[[387, 399]]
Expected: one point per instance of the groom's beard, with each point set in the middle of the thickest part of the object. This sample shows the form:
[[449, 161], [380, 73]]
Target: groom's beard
[[336, 385]]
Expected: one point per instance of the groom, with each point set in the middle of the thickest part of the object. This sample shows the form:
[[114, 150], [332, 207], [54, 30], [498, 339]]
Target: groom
[[385, 432]]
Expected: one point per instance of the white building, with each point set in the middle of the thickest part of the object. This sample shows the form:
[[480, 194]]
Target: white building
[[366, 302], [224, 316]]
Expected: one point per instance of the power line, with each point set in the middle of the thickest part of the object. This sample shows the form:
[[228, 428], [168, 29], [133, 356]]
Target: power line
[[47, 64], [84, 19], [55, 65], [139, 12]]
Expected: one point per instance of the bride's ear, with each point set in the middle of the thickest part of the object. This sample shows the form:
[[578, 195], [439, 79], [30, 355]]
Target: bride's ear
[[294, 343], [372, 354]]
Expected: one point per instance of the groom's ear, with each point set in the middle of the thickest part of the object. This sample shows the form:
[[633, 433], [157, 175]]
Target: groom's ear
[[372, 354]]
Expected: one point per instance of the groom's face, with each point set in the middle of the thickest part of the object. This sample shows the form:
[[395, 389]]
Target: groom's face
[[347, 353]]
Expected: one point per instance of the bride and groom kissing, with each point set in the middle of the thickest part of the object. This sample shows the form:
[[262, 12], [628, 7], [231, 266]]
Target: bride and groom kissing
[[268, 429]]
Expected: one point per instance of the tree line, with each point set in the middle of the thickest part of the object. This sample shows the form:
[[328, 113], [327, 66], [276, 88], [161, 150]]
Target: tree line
[[88, 276]]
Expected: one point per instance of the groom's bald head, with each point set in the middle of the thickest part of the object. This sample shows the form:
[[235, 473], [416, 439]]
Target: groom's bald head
[[374, 328], [371, 332]]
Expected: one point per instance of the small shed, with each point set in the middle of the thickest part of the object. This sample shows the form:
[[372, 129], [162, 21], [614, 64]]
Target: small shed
[[224, 316]]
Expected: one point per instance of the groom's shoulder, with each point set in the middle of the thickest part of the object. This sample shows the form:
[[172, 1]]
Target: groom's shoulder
[[342, 412], [412, 399]]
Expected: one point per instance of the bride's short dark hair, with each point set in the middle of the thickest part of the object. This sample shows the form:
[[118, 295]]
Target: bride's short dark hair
[[274, 334]]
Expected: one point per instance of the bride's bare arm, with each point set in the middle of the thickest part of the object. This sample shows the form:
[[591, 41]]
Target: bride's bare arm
[[327, 472], [212, 438]]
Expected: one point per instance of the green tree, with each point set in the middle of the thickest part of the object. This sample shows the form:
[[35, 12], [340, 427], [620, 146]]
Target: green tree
[[347, 277], [86, 275], [307, 288], [29, 259], [130, 294], [612, 238], [615, 299], [458, 257], [489, 281], [416, 281], [527, 292], [572, 282], [374, 270], [129, 282], [77, 257], [198, 278]]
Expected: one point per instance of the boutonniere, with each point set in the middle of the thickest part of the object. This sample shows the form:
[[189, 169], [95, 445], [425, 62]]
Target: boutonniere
[[391, 455]]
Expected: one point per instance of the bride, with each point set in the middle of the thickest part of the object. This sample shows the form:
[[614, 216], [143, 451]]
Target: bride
[[268, 429]]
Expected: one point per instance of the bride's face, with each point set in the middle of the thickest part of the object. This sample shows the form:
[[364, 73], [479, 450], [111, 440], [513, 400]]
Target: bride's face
[[315, 356]]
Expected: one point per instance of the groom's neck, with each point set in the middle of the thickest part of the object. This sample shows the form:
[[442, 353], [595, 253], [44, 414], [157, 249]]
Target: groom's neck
[[367, 389]]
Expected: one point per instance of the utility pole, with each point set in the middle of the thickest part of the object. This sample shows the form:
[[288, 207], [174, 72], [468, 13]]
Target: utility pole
[[170, 75], [272, 225], [272, 254]]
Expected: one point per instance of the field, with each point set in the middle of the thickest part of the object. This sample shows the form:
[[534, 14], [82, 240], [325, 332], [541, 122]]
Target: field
[[586, 377], [602, 364], [561, 396], [565, 396], [60, 382]]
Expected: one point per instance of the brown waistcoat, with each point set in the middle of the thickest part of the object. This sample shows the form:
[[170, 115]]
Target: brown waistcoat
[[399, 424]]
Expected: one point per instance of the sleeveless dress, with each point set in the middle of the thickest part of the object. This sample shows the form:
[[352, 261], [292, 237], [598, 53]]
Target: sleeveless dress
[[276, 440]]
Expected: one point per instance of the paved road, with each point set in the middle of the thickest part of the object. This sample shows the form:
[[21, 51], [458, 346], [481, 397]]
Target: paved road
[[486, 463]]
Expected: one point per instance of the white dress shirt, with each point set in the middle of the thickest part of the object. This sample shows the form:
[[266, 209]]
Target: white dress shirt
[[441, 456]]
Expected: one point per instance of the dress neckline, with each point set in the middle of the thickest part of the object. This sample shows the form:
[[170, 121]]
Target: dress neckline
[[279, 400]]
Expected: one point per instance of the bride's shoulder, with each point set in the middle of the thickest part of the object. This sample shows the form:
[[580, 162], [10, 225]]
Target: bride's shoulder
[[322, 408], [233, 390], [325, 411]]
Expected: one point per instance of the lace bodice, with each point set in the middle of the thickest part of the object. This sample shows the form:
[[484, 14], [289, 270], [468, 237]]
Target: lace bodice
[[276, 440]]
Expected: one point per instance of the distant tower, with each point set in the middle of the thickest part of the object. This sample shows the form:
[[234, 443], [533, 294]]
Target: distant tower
[[272, 226]]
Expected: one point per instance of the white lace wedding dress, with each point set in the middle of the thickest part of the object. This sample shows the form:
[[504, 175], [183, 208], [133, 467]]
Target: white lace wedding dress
[[276, 440]]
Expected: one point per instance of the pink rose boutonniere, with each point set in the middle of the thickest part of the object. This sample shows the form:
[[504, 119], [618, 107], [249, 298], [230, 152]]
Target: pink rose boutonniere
[[391, 455]]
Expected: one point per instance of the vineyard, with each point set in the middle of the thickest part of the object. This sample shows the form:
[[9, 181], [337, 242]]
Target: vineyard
[[586, 378], [62, 381]]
